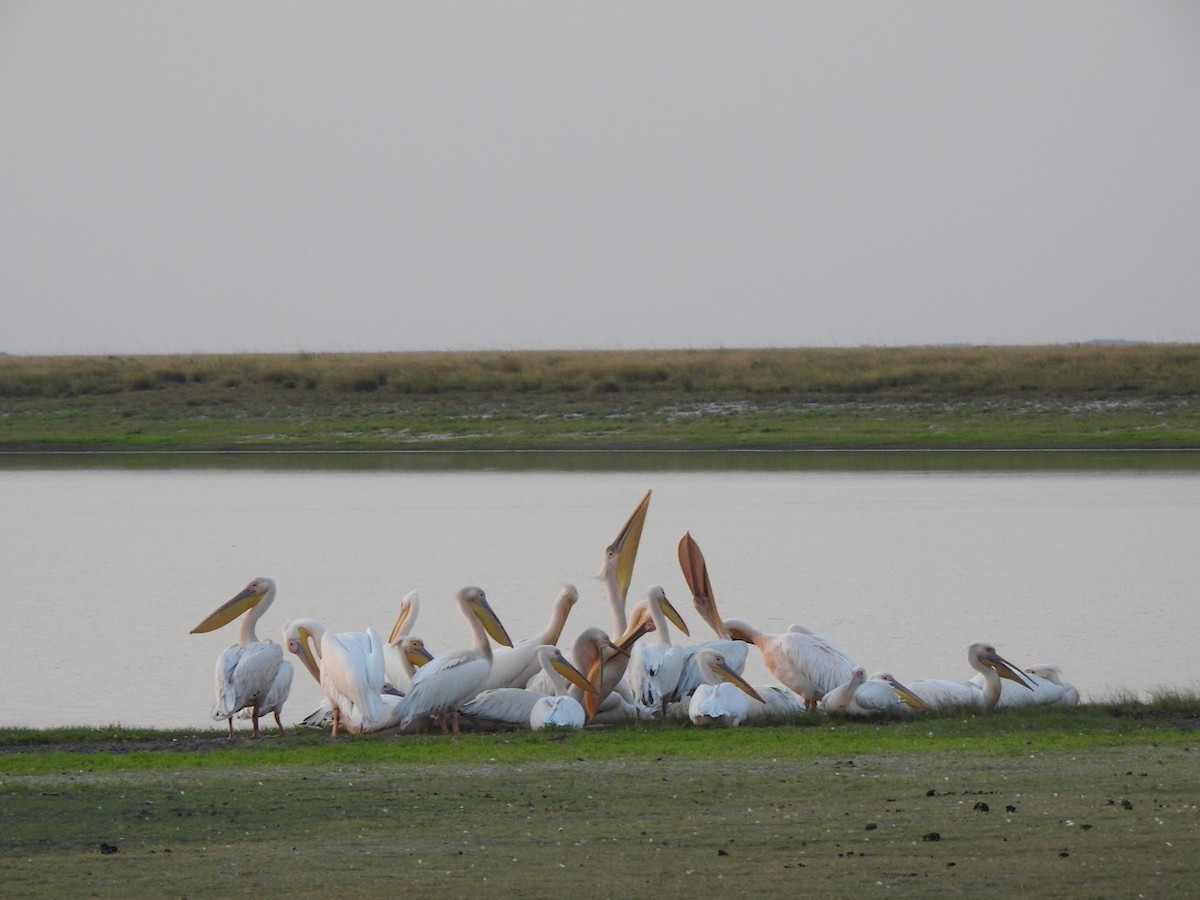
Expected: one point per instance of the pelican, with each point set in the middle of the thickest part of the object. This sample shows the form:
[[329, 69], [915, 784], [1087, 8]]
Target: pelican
[[695, 573], [779, 705], [721, 699], [442, 685], [1048, 689], [514, 666], [527, 708], [248, 670], [348, 666], [606, 670], [984, 659], [394, 664], [810, 664], [655, 667], [862, 696], [619, 557]]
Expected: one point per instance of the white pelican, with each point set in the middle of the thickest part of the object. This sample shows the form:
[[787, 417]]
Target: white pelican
[[527, 708], [721, 699], [695, 573], [655, 667], [984, 659], [394, 667], [779, 704], [246, 671], [862, 696], [439, 687], [619, 557], [1046, 688], [349, 668], [810, 664], [514, 666]]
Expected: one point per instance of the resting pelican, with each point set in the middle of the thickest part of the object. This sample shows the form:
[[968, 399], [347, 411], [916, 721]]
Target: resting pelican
[[522, 707], [394, 667], [695, 573], [779, 705], [810, 664], [1048, 689], [349, 668], [514, 666], [606, 670], [439, 687], [248, 670], [721, 700], [619, 557], [984, 659], [655, 667], [862, 696]]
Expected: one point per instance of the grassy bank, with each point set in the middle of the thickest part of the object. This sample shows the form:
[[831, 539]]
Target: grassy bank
[[1092, 802], [1057, 396]]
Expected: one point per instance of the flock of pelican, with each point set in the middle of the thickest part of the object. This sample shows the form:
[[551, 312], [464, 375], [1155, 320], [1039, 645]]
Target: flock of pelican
[[637, 671]]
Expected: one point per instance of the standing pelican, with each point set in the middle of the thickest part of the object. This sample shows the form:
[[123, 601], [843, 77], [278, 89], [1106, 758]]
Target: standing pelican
[[514, 666], [862, 696], [721, 699], [349, 668], [810, 664], [655, 666], [984, 659], [695, 573], [439, 687], [619, 557], [247, 671]]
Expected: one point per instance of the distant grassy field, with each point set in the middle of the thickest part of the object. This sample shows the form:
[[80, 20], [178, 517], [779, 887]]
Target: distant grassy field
[[1098, 801], [936, 398]]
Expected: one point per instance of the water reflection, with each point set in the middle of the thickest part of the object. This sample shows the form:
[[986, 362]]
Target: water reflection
[[107, 567]]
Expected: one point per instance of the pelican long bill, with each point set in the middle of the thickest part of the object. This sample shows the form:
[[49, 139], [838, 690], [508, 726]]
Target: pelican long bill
[[625, 547], [245, 599]]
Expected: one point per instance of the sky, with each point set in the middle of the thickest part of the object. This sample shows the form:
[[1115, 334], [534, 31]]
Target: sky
[[226, 177]]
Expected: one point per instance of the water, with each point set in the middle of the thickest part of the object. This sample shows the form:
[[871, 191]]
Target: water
[[106, 568]]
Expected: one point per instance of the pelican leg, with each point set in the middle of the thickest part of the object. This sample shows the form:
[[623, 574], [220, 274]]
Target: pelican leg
[[230, 722], [279, 722], [337, 717], [253, 722]]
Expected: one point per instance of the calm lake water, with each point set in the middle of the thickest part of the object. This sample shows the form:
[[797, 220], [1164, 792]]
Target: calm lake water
[[904, 560]]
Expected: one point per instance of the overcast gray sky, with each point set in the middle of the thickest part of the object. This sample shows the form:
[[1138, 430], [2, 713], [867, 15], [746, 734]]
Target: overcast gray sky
[[282, 176]]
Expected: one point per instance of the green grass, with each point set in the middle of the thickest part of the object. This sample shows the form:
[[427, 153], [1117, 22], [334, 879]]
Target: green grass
[[1091, 802], [1057, 396]]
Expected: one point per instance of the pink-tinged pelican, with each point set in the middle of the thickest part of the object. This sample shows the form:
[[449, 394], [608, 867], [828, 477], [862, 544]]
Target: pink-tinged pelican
[[348, 666], [721, 699], [248, 670], [442, 685], [514, 666], [862, 696], [528, 708], [655, 666], [695, 573], [808, 663], [984, 659], [619, 557]]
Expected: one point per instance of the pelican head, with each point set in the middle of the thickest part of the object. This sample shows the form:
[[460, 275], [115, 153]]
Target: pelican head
[[407, 615], [715, 662], [414, 650], [260, 590], [564, 668], [302, 637], [658, 596], [476, 603], [907, 697], [985, 654], [621, 554]]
